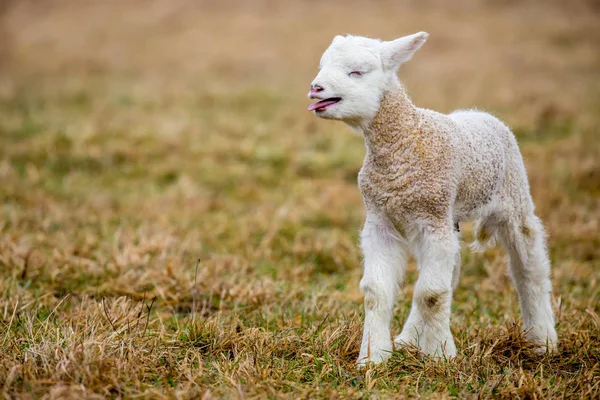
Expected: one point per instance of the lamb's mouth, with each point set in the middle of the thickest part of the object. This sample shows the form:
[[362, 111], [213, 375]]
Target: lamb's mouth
[[321, 105]]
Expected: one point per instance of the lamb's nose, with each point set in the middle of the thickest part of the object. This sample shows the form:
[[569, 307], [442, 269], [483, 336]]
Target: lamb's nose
[[316, 88]]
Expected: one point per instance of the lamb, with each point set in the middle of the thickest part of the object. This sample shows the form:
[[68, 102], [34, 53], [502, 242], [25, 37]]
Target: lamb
[[423, 173]]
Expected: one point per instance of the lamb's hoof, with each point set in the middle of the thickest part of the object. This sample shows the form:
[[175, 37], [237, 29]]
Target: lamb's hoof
[[404, 340], [444, 349], [374, 357], [542, 349], [545, 342], [362, 363]]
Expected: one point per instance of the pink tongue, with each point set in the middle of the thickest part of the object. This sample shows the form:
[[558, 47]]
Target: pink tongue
[[321, 104]]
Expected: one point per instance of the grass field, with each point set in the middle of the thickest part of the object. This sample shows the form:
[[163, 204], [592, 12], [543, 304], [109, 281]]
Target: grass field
[[175, 224]]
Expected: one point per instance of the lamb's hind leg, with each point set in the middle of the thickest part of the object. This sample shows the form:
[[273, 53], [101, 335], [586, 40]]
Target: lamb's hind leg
[[530, 270], [428, 325]]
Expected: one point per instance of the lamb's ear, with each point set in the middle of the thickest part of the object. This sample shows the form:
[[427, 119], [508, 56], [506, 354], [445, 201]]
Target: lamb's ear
[[401, 50]]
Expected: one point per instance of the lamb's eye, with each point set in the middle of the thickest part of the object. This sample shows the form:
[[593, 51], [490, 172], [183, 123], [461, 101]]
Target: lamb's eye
[[355, 73]]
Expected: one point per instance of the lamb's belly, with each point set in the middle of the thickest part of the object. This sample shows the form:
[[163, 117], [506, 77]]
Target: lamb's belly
[[475, 193], [464, 210]]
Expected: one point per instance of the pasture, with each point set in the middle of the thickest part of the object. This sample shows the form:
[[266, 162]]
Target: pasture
[[175, 224]]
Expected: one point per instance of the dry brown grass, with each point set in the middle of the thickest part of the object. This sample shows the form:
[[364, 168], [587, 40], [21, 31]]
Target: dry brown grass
[[137, 137]]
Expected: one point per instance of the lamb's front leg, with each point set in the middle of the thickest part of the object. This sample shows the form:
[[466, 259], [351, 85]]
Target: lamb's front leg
[[383, 271], [428, 325]]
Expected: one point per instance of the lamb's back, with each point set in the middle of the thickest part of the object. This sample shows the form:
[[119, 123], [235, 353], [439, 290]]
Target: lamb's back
[[482, 144]]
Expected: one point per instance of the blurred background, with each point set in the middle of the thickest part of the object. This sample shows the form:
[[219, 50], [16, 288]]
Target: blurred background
[[138, 136], [522, 57]]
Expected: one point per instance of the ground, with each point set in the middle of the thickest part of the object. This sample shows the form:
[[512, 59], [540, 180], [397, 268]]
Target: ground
[[175, 224]]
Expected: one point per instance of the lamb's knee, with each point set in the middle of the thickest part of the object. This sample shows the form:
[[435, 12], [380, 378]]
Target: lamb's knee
[[433, 301], [376, 296], [524, 228], [526, 243]]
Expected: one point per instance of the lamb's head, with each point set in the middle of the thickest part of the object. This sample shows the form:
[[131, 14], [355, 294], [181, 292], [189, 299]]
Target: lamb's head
[[355, 72]]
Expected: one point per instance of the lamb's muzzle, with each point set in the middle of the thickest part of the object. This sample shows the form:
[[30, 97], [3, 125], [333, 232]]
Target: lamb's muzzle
[[314, 89], [423, 173], [321, 105]]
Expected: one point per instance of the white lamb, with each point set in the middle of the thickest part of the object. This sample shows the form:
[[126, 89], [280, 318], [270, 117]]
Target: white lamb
[[423, 173]]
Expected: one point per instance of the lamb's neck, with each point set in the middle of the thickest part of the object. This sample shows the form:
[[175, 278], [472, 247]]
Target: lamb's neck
[[394, 123]]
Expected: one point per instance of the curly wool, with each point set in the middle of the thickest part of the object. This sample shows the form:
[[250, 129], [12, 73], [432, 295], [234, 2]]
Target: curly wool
[[434, 170]]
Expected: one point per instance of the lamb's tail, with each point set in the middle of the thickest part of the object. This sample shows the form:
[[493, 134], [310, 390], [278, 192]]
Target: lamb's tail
[[484, 236]]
